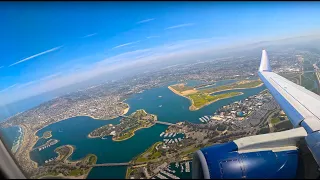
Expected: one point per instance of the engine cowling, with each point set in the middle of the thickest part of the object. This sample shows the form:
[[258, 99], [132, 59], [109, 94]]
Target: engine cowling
[[224, 161]]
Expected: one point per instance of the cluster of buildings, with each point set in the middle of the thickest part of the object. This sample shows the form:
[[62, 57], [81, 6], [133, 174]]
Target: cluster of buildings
[[249, 111]]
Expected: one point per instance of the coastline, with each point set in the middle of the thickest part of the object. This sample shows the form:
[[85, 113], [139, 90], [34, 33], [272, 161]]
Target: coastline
[[27, 143], [113, 139], [72, 148], [17, 144], [193, 108], [132, 133]]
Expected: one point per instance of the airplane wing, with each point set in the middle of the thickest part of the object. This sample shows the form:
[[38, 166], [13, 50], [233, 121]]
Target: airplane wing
[[272, 155], [301, 105]]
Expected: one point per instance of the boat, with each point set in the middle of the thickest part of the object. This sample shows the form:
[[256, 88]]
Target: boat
[[174, 134], [104, 138], [161, 134], [201, 120], [170, 134], [166, 135], [160, 106], [181, 167], [179, 139], [176, 140], [177, 164]]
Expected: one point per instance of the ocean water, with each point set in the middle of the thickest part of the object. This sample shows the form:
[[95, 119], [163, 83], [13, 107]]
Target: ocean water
[[168, 106]]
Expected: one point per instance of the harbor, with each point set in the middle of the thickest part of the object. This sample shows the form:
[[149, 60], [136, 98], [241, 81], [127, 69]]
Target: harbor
[[177, 170], [205, 119], [171, 138], [49, 143]]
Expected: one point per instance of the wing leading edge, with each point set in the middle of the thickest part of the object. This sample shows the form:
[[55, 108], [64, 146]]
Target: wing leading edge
[[301, 105]]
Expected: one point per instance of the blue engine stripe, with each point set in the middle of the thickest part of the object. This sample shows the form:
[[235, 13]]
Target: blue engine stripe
[[294, 116], [223, 161]]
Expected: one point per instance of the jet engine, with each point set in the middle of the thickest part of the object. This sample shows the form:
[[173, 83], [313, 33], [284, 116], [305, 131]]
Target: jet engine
[[273, 155]]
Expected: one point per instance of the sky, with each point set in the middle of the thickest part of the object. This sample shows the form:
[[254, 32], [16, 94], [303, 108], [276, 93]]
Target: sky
[[48, 45]]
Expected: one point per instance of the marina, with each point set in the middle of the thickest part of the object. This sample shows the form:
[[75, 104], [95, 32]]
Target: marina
[[49, 143], [49, 160]]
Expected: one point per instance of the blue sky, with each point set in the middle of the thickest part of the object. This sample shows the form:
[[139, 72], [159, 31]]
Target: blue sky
[[48, 45]]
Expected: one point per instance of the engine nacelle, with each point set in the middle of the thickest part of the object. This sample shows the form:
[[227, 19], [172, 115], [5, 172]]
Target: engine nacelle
[[224, 161], [273, 155]]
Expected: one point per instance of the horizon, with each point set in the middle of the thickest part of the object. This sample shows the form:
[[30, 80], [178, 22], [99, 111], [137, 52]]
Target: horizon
[[54, 52]]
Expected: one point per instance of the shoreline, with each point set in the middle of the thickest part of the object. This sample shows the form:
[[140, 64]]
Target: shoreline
[[193, 108], [72, 148], [133, 133], [27, 143], [113, 139]]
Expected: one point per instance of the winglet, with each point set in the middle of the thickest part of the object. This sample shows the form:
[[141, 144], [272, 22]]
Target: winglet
[[264, 65]]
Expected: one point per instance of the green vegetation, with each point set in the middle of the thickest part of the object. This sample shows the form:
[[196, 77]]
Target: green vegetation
[[264, 130], [139, 114], [275, 120], [282, 126], [237, 85], [76, 172], [181, 87], [137, 120], [204, 97], [149, 154], [47, 135], [192, 150], [201, 99], [221, 127]]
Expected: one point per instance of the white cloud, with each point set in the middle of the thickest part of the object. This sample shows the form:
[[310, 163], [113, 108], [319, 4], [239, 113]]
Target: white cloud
[[126, 44], [193, 49], [36, 55], [149, 37], [179, 26], [89, 35], [38, 80], [146, 20], [10, 87]]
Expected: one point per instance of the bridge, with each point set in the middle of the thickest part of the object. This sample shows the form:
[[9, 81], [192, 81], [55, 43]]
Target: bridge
[[116, 164], [164, 123], [110, 164]]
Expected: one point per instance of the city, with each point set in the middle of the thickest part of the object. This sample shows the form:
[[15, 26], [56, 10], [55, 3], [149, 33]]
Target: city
[[256, 114]]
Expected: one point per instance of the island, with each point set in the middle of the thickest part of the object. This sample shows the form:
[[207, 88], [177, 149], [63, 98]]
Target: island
[[204, 97], [61, 167], [47, 135], [128, 125]]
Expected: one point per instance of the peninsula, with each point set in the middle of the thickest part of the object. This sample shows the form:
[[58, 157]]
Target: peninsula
[[204, 97], [61, 167], [128, 125]]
